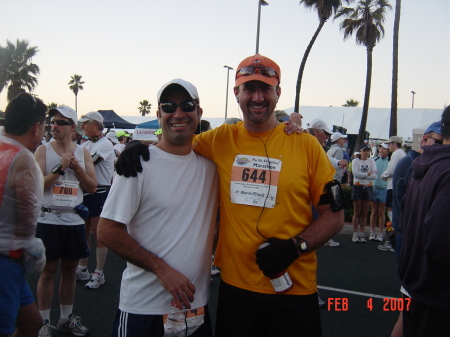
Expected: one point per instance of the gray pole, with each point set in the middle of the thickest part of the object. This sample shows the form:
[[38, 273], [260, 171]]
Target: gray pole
[[412, 104], [226, 95], [260, 3]]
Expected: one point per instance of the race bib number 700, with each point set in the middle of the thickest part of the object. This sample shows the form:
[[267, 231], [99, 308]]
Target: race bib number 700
[[65, 193], [254, 180]]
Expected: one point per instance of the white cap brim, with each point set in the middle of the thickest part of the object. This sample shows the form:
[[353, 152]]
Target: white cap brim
[[189, 87]]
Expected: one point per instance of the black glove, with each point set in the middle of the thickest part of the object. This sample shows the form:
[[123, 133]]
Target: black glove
[[129, 161], [277, 256]]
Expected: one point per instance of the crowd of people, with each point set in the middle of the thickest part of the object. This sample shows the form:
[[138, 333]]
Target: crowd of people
[[192, 188]]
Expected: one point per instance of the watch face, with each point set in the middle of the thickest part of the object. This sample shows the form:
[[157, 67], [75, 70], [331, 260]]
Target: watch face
[[303, 246], [56, 168]]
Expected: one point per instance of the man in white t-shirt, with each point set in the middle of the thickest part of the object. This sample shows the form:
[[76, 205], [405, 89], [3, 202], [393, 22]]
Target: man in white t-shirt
[[122, 139], [68, 171], [395, 147], [165, 229], [336, 152], [103, 156]]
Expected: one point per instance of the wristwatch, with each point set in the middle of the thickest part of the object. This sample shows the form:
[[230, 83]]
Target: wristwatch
[[57, 170], [301, 245]]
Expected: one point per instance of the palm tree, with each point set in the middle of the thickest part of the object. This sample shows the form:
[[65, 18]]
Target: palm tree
[[76, 84], [52, 105], [324, 10], [366, 20], [351, 102], [393, 124], [145, 107], [16, 68]]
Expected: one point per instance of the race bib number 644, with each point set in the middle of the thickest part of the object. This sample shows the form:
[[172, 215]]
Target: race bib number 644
[[254, 180]]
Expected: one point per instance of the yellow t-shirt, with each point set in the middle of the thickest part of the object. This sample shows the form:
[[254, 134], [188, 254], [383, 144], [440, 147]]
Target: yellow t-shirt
[[298, 176]]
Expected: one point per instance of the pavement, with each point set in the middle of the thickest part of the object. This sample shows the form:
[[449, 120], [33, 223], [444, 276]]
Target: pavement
[[357, 281]]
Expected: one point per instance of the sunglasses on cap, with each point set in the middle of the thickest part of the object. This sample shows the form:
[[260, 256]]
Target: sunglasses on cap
[[250, 70], [60, 122], [171, 107]]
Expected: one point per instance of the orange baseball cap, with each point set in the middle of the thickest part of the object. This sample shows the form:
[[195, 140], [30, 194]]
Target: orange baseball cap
[[258, 61]]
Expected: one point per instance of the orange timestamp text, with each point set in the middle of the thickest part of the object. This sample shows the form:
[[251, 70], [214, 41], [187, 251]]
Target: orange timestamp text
[[389, 304]]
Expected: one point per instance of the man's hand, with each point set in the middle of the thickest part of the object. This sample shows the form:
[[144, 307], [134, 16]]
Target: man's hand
[[129, 161], [34, 256], [178, 285], [277, 256], [294, 124], [343, 163], [74, 164], [65, 160]]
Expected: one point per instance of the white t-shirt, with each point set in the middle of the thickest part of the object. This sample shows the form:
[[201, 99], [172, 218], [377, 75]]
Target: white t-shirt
[[69, 219], [105, 168], [119, 148], [170, 210], [337, 153], [389, 172], [360, 169]]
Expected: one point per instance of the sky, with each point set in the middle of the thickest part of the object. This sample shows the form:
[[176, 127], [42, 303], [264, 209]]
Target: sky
[[126, 50]]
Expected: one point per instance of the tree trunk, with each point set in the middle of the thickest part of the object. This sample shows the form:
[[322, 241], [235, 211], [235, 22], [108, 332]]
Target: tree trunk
[[13, 91], [365, 112], [302, 66], [393, 125], [76, 103]]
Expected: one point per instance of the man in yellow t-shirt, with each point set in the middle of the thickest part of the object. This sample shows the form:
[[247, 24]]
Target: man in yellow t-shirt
[[268, 182]]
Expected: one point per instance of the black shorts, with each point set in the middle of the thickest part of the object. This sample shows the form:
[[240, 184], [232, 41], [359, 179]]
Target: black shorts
[[60, 241], [246, 313], [389, 199], [134, 325], [361, 192], [94, 202]]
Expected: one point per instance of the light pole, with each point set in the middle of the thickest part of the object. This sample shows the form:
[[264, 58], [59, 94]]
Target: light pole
[[260, 3], [412, 104], [226, 96]]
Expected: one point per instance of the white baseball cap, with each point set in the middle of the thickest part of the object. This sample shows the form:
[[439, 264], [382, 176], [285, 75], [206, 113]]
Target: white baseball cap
[[320, 124], [112, 137], [66, 111], [188, 86], [336, 136], [96, 116]]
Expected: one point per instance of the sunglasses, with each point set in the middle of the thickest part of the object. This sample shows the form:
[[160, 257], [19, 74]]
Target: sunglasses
[[172, 107], [60, 122], [250, 70]]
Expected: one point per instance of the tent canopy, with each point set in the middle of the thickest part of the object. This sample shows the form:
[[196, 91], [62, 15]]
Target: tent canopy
[[112, 120], [149, 125]]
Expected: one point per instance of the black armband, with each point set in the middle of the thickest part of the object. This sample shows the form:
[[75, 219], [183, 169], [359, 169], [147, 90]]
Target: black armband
[[58, 170], [333, 196], [96, 158]]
